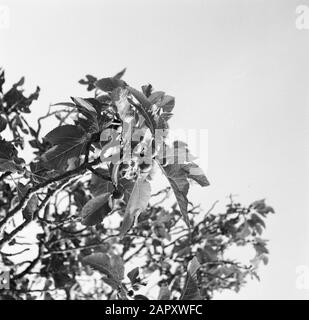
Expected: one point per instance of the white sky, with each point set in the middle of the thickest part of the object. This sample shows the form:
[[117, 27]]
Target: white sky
[[237, 68]]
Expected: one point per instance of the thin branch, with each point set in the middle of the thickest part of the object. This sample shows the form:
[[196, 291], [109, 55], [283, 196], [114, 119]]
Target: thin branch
[[135, 253], [8, 237], [79, 248], [15, 253], [100, 175], [43, 184], [30, 267]]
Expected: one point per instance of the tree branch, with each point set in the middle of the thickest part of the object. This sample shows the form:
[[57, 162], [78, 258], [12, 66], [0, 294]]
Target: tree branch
[[44, 184]]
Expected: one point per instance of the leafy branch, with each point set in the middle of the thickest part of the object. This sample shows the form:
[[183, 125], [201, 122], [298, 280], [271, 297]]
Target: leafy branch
[[88, 191]]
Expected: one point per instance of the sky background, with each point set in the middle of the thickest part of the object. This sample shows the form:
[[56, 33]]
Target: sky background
[[237, 68]]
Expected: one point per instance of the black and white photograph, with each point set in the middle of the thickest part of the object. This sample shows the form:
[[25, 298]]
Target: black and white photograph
[[154, 150]]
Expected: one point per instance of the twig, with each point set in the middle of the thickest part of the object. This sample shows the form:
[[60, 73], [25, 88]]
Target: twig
[[135, 253], [80, 248], [15, 253], [30, 267], [43, 184], [8, 237], [100, 175]]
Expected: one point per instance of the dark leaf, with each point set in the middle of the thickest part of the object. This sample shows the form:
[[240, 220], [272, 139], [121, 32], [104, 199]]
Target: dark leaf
[[82, 103], [191, 290], [117, 266], [99, 185], [141, 98], [19, 83], [164, 293], [95, 210], [9, 161], [137, 203], [64, 134], [147, 89], [101, 262], [109, 84], [196, 173], [144, 108], [255, 219], [31, 207], [3, 123], [261, 207], [128, 186], [120, 74], [111, 267], [133, 275], [260, 247], [90, 78], [156, 97], [140, 297], [180, 185], [167, 103], [69, 143], [22, 189]]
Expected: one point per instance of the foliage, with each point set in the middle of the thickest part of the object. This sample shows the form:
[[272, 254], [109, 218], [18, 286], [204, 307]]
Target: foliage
[[100, 232]]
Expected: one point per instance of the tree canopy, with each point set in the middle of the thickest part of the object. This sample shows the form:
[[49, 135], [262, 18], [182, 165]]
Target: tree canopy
[[97, 229]]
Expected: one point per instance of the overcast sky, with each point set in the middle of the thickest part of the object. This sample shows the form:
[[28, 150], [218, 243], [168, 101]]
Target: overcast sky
[[237, 68]]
